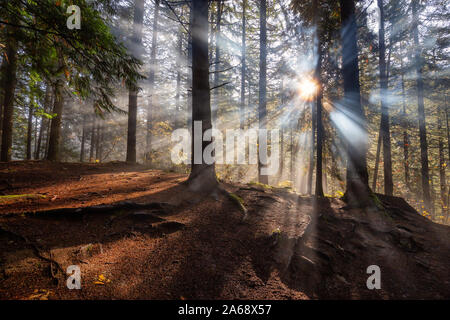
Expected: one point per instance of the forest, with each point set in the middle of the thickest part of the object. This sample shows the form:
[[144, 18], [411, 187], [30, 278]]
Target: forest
[[224, 149]]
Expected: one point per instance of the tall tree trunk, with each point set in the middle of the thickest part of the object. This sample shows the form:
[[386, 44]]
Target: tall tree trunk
[[30, 128], [178, 122], [243, 67], [92, 140], [9, 83], [215, 104], [293, 158], [442, 165], [405, 128], [377, 160], [83, 139], [189, 71], [385, 127], [47, 103], [97, 142], [262, 112], [421, 111], [320, 129], [203, 175], [55, 127], [358, 190], [312, 148], [132, 97], [151, 80]]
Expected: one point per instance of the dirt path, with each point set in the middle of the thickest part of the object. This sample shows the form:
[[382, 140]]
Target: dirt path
[[186, 247]]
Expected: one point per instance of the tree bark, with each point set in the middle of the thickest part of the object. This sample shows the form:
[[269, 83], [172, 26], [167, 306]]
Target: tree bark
[[385, 127], [10, 82], [215, 104], [243, 67], [132, 97], [262, 112], [358, 190], [151, 80], [83, 139], [203, 176], [30, 128], [405, 128], [55, 126], [47, 103], [421, 112], [320, 129], [92, 142], [178, 122], [442, 166]]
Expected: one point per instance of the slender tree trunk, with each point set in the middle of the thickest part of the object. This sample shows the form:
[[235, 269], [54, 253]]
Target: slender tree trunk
[[30, 128], [9, 83], [178, 122], [243, 67], [377, 160], [151, 80], [385, 127], [215, 104], [47, 102], [55, 126], [358, 190], [97, 142], [92, 142], [421, 112], [83, 139], [320, 129], [203, 175], [189, 71], [312, 149], [3, 85], [262, 112], [405, 129], [442, 178], [132, 97]]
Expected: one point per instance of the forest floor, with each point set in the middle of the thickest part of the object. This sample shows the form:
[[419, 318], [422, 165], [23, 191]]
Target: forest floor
[[143, 235]]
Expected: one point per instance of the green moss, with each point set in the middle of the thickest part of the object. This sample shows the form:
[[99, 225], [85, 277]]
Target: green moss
[[238, 201], [12, 197], [259, 184]]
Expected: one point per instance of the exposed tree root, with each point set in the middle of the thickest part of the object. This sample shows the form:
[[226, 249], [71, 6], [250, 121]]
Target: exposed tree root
[[36, 251]]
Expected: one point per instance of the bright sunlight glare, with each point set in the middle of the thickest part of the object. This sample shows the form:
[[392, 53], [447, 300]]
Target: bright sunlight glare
[[307, 89]]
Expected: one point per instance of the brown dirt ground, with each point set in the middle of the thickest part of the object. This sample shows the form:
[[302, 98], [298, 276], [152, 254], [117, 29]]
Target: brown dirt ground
[[192, 247]]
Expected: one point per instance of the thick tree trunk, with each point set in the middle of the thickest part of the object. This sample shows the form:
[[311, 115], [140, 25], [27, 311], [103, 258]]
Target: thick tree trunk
[[421, 112], [10, 81], [132, 97], [55, 126], [262, 112], [151, 80], [358, 191], [243, 67], [385, 127], [203, 176]]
